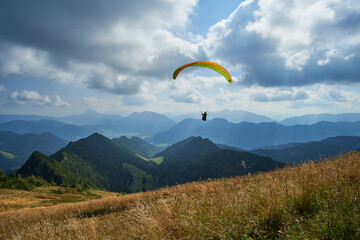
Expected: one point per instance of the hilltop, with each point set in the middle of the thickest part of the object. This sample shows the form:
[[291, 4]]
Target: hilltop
[[196, 158], [93, 162], [310, 201]]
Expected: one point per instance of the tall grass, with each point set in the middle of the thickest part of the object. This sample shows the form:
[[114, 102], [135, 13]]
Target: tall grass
[[310, 201]]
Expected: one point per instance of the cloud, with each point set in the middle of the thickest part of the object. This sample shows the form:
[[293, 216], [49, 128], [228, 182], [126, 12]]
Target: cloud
[[192, 96], [100, 43], [59, 102], [276, 95], [92, 101], [227, 97], [2, 88], [34, 98], [290, 43], [31, 97]]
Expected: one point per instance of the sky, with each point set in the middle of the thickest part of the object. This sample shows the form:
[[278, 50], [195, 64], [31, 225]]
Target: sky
[[286, 57]]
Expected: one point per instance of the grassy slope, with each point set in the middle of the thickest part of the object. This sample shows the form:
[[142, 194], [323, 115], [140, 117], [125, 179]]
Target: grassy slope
[[45, 196], [310, 201], [156, 160], [140, 178], [7, 155]]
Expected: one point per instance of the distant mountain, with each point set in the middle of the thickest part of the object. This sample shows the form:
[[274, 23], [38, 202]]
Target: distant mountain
[[17, 148], [11, 117], [234, 116], [89, 117], [46, 143], [95, 161], [141, 124], [224, 146], [22, 127], [237, 116], [62, 130], [178, 132], [316, 150], [196, 158], [253, 135], [138, 146], [314, 118]]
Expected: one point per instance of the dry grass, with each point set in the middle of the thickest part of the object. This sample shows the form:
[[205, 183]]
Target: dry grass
[[45, 196], [310, 201]]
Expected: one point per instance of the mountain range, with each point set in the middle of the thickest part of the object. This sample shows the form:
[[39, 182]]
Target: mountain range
[[140, 124], [15, 149], [116, 165], [89, 117], [315, 150], [248, 135], [154, 126], [234, 116], [315, 118], [62, 130]]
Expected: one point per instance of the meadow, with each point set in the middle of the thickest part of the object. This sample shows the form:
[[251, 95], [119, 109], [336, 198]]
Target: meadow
[[309, 201]]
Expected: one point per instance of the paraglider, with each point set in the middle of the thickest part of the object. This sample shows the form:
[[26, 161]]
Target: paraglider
[[214, 66], [204, 115]]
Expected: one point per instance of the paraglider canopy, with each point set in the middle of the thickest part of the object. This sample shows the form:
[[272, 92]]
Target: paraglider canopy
[[214, 66]]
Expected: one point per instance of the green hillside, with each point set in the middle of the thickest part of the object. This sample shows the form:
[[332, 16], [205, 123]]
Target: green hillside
[[196, 159], [116, 165], [93, 162]]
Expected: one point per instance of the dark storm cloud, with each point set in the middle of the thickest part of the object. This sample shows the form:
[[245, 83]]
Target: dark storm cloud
[[63, 28], [124, 37]]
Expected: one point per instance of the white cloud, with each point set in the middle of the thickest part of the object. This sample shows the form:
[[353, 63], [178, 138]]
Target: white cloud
[[2, 88], [277, 95], [191, 96], [60, 102], [227, 97], [92, 101], [34, 98], [290, 42], [29, 97]]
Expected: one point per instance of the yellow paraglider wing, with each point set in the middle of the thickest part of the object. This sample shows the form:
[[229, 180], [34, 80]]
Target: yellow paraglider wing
[[211, 65]]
